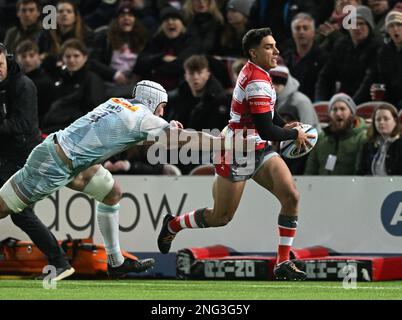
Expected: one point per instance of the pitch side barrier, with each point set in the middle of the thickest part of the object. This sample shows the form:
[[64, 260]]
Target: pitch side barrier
[[320, 263], [350, 215]]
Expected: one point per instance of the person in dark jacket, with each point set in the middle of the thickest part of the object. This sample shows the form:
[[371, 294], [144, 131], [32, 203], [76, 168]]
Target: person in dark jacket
[[380, 8], [382, 153], [116, 48], [199, 102], [277, 15], [163, 58], [388, 66], [69, 26], [20, 134], [305, 59], [350, 59], [28, 58], [78, 90], [28, 27], [234, 29], [204, 22]]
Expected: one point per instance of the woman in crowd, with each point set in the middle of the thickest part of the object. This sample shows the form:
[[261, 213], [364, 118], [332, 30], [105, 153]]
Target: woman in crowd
[[235, 28], [78, 90], [205, 22], [382, 153], [116, 50], [69, 26]]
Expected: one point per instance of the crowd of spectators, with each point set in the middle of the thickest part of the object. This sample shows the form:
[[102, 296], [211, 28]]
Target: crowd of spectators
[[101, 48]]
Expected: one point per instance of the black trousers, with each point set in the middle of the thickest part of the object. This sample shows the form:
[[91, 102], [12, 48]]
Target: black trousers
[[28, 222]]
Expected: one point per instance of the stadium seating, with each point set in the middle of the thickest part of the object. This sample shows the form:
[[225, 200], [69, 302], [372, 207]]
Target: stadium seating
[[321, 109], [366, 109]]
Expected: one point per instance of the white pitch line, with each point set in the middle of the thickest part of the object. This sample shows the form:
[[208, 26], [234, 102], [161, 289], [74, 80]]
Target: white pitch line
[[239, 285]]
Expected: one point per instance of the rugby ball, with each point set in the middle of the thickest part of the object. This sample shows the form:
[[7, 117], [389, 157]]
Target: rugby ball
[[288, 148]]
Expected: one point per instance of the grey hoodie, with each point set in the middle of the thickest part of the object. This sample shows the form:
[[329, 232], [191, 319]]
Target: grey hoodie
[[292, 101]]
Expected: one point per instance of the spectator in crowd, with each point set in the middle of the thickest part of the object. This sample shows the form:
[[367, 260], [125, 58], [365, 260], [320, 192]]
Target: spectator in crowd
[[199, 102], [382, 153], [387, 68], [146, 14], [379, 8], [115, 50], [78, 90], [7, 16], [350, 59], [324, 10], [305, 59], [338, 145], [277, 15], [163, 58], [98, 13], [332, 31], [289, 98], [28, 27], [28, 58], [204, 22], [19, 134], [69, 26], [235, 28]]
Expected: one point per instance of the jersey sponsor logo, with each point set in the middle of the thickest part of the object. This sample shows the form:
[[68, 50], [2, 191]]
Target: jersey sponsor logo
[[258, 88], [124, 104], [391, 214], [260, 103]]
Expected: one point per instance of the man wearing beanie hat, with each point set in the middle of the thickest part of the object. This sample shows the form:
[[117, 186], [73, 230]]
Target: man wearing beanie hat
[[338, 146], [387, 67], [171, 12], [393, 17], [350, 58], [365, 13]]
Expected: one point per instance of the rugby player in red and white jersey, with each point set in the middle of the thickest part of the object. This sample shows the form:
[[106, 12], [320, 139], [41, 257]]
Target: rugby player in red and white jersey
[[252, 108]]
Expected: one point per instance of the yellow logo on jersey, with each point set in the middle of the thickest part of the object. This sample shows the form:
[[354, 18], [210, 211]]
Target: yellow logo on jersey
[[125, 104]]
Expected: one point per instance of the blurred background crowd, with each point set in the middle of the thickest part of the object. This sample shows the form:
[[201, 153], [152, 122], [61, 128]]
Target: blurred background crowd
[[347, 82]]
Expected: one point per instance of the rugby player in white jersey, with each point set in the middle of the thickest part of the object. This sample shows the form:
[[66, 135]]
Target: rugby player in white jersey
[[72, 157]]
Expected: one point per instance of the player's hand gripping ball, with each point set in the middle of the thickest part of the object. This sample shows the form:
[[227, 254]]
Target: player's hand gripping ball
[[289, 149]]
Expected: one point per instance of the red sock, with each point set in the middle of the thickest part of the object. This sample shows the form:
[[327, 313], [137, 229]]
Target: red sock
[[193, 220], [287, 232]]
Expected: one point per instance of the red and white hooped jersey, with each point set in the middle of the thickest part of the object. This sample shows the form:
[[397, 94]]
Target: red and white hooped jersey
[[253, 93]]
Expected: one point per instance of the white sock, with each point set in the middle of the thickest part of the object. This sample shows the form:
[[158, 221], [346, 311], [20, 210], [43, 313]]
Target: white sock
[[108, 221]]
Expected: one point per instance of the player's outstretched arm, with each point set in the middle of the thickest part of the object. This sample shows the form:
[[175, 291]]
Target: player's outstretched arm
[[175, 137]]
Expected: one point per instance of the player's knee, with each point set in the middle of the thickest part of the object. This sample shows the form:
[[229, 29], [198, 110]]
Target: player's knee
[[4, 211], [293, 198], [114, 195], [101, 186], [3, 214]]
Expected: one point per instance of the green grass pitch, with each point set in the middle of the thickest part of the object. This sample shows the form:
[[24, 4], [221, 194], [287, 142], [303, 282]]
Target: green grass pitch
[[146, 289]]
